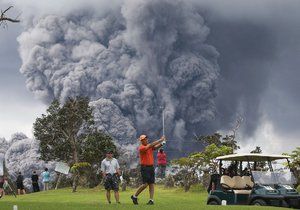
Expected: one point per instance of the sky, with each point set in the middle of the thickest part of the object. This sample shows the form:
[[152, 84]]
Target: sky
[[18, 106], [259, 49]]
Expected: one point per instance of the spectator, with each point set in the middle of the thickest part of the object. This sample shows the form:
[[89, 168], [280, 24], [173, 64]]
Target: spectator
[[20, 184], [162, 163], [46, 179], [1, 186], [35, 182], [111, 171]]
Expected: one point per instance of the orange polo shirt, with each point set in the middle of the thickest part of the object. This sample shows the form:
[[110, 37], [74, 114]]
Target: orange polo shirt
[[146, 155]]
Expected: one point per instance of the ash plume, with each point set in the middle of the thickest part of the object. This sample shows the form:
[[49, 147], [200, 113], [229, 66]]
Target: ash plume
[[21, 154], [131, 61]]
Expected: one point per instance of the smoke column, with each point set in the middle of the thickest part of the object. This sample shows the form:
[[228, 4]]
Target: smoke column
[[131, 61]]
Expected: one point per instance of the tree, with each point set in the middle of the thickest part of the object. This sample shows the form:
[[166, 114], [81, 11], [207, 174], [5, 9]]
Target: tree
[[215, 138], [229, 140], [295, 162], [219, 140], [257, 150], [208, 156], [204, 161], [295, 158], [67, 133], [188, 172], [95, 145], [4, 19]]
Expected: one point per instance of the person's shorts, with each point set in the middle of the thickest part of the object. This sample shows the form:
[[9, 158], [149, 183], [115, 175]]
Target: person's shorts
[[20, 186], [111, 182], [148, 174], [1, 185]]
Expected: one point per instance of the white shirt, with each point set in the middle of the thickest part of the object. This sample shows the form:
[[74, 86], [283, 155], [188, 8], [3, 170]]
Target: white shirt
[[110, 166]]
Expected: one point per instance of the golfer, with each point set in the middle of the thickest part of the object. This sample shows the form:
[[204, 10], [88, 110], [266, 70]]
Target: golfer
[[111, 171], [147, 167]]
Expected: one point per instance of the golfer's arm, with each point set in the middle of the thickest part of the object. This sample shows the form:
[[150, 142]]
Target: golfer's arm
[[157, 146], [118, 169], [118, 172], [155, 143], [103, 169]]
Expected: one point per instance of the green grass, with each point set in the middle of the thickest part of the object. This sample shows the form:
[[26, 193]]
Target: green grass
[[90, 199]]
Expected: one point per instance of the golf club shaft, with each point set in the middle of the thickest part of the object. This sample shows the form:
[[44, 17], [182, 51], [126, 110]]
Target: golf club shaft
[[163, 121]]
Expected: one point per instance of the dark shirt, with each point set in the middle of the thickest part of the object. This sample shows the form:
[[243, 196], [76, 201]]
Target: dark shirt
[[20, 179], [34, 178]]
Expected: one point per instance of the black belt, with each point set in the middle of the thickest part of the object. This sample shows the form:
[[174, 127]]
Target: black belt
[[146, 165]]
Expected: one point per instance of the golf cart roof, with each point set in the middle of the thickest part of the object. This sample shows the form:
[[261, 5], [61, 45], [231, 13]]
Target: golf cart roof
[[252, 157]]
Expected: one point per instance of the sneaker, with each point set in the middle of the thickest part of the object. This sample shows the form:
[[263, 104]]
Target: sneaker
[[150, 202], [109, 202], [118, 202], [134, 200]]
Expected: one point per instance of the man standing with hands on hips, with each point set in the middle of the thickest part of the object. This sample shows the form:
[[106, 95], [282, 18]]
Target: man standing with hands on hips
[[147, 166], [111, 171]]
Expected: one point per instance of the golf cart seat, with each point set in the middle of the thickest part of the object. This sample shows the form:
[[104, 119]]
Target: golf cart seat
[[227, 182], [248, 181], [236, 184], [240, 186]]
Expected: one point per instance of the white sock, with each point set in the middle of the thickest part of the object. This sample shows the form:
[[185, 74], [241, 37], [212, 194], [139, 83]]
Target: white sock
[[134, 196]]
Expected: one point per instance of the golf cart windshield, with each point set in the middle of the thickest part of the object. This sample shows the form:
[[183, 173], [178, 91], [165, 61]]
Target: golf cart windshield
[[271, 178]]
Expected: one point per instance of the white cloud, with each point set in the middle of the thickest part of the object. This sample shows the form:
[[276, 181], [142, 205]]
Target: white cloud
[[269, 140], [18, 116]]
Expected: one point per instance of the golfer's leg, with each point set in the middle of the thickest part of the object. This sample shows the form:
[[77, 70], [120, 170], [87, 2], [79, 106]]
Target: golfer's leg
[[19, 192], [151, 191], [108, 195], [117, 196], [140, 189]]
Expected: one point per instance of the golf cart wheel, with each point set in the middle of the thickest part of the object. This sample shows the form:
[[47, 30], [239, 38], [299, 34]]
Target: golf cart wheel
[[285, 204], [213, 202], [259, 202]]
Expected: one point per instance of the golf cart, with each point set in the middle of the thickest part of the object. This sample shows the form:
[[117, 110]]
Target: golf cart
[[251, 179]]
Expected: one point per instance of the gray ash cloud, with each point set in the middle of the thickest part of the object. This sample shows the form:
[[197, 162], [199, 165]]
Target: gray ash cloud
[[130, 61]]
